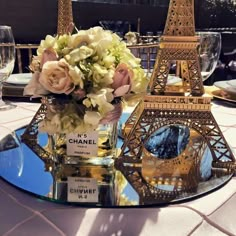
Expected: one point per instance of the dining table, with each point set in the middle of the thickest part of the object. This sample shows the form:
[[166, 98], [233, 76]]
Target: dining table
[[23, 214]]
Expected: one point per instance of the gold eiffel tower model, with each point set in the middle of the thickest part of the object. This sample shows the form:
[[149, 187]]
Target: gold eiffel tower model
[[186, 106], [65, 16], [30, 136]]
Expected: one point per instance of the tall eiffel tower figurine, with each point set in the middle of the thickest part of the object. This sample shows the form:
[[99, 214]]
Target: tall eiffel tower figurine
[[65, 16], [170, 131], [179, 44]]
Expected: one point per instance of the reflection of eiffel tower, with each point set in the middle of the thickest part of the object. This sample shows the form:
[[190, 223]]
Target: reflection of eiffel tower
[[161, 108], [182, 172]]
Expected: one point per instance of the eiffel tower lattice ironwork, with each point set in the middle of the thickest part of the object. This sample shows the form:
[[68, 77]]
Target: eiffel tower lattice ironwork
[[65, 16], [178, 44], [162, 108]]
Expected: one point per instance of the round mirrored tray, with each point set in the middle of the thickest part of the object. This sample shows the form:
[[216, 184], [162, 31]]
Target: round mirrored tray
[[104, 186]]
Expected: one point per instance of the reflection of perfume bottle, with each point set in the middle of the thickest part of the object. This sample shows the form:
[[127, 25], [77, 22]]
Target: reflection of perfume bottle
[[85, 184]]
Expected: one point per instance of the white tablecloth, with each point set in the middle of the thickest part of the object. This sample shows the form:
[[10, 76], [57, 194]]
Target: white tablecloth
[[22, 214], [18, 117]]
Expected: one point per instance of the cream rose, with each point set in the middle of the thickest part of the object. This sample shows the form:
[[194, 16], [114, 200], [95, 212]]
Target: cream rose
[[55, 77]]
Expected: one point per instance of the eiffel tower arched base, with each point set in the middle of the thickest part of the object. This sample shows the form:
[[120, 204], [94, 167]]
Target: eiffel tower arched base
[[157, 111], [144, 170]]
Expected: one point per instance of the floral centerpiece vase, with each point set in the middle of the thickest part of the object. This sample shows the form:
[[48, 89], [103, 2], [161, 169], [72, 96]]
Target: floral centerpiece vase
[[82, 78]]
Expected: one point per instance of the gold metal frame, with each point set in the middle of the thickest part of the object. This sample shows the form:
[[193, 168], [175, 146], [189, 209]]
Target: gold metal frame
[[147, 53], [20, 49]]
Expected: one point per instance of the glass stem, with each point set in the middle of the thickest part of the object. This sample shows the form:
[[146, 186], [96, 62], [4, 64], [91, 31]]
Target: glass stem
[[1, 101]]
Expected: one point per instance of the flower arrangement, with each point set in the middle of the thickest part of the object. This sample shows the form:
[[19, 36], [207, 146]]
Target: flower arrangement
[[91, 67]]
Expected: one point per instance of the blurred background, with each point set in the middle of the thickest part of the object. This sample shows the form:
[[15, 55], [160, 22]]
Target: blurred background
[[32, 20]]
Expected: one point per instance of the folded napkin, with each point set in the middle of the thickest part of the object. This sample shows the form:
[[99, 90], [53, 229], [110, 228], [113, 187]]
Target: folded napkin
[[14, 92]]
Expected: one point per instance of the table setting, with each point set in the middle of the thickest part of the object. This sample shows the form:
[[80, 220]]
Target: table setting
[[29, 109], [209, 214], [94, 133], [14, 121], [226, 90]]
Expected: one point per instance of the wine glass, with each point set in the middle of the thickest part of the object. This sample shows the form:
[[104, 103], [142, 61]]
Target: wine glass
[[209, 52], [7, 60]]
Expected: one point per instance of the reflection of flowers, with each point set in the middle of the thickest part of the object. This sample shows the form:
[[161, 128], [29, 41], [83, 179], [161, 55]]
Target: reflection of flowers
[[92, 67]]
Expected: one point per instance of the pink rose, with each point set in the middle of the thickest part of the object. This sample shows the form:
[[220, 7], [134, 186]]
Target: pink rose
[[55, 77], [48, 55], [122, 80], [34, 88]]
